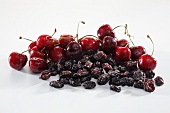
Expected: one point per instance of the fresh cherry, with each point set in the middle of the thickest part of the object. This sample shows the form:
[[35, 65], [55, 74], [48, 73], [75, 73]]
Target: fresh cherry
[[45, 42], [57, 53], [73, 50], [64, 40], [35, 52], [146, 62], [109, 44], [89, 43], [123, 43], [17, 60], [105, 30], [122, 54], [37, 65], [137, 51]]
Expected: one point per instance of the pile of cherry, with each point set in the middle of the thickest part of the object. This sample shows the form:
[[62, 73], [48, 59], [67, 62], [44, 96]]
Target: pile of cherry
[[90, 60]]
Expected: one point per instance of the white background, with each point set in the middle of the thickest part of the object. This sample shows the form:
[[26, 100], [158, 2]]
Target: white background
[[24, 92]]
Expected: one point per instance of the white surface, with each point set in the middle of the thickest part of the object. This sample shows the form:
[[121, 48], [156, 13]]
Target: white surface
[[23, 92]]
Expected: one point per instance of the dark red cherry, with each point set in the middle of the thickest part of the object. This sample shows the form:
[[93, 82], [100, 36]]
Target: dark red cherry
[[37, 65], [17, 60], [105, 30], [122, 54], [64, 40], [123, 43], [35, 52], [109, 44], [32, 44], [73, 50], [89, 43], [45, 42], [57, 53], [146, 63], [137, 51]]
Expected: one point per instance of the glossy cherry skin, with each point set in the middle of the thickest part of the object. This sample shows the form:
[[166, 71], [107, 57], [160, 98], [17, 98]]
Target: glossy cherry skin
[[137, 51], [17, 60], [146, 63], [56, 42], [64, 40], [35, 52], [105, 30], [122, 43], [57, 53], [109, 44], [32, 44], [89, 43], [122, 54], [73, 50], [37, 65], [45, 42]]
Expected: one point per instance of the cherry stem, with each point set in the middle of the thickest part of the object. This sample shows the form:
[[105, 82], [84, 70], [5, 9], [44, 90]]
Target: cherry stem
[[25, 39], [89, 36], [42, 49], [125, 32], [152, 44], [78, 28], [24, 51], [55, 30]]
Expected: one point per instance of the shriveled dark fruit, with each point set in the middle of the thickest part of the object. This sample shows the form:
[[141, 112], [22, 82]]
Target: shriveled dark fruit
[[149, 85], [68, 65], [88, 64], [100, 56], [150, 74], [115, 88], [125, 81], [115, 81], [64, 80], [66, 73], [75, 82], [45, 75], [107, 67], [103, 79], [159, 81], [76, 75], [86, 78], [96, 72], [89, 84], [131, 65], [138, 75], [83, 72], [139, 84], [76, 67], [56, 84]]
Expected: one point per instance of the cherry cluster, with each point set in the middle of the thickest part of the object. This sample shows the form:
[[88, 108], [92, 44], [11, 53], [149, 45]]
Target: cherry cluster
[[77, 60]]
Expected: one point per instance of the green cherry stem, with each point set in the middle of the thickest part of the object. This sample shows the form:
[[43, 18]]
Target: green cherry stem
[[152, 44], [78, 29], [25, 39], [126, 32], [55, 30], [24, 51]]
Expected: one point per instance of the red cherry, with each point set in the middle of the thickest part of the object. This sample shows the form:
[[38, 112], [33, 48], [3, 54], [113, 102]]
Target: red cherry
[[35, 52], [122, 43], [73, 50], [37, 65], [109, 44], [32, 44], [64, 40], [137, 51], [122, 54], [89, 43], [57, 53], [45, 42], [105, 30], [17, 60], [146, 63], [56, 42]]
